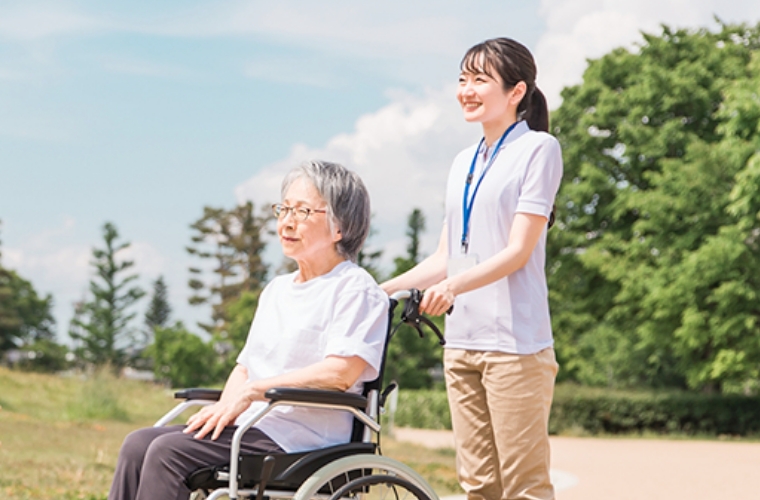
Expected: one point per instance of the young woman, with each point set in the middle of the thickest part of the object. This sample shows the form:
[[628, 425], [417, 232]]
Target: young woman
[[499, 360]]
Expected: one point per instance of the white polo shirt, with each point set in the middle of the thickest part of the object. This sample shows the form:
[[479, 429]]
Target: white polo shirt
[[511, 314], [342, 313]]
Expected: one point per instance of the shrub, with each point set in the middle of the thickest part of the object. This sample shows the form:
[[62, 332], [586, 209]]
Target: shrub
[[606, 411]]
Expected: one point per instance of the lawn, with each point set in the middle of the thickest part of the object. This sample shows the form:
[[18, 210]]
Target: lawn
[[60, 436]]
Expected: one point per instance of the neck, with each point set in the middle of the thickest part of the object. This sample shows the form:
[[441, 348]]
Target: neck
[[308, 270], [492, 131]]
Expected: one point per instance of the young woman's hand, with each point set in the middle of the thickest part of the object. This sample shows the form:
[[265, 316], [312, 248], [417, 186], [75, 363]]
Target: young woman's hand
[[437, 299]]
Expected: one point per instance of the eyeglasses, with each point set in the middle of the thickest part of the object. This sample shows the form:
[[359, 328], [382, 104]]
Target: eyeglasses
[[299, 213]]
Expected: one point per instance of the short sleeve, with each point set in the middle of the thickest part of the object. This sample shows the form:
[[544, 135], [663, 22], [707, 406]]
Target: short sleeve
[[542, 178], [359, 328]]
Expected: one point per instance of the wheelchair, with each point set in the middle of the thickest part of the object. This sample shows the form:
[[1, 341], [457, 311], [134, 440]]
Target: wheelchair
[[354, 470]]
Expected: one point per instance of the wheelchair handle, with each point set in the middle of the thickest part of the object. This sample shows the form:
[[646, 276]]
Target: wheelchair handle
[[411, 314]]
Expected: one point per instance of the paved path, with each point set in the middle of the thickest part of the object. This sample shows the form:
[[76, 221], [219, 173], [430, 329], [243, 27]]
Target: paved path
[[640, 469]]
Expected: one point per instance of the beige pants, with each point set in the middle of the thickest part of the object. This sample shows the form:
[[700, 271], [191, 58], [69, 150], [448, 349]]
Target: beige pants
[[500, 413]]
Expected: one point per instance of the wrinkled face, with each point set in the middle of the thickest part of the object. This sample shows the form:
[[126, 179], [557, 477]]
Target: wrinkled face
[[312, 239], [482, 96]]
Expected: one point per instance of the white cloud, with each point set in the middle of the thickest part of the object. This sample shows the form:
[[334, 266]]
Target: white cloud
[[402, 152], [577, 30], [35, 20]]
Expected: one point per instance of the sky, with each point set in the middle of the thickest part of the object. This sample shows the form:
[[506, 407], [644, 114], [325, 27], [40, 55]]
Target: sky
[[141, 113]]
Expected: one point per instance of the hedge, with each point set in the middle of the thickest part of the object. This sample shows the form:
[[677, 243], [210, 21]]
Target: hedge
[[602, 411]]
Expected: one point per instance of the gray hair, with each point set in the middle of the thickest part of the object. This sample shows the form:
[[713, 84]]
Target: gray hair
[[347, 201]]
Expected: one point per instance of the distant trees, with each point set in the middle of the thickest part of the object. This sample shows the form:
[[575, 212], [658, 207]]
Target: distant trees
[[654, 264], [101, 324], [232, 242], [412, 359], [25, 317], [159, 310]]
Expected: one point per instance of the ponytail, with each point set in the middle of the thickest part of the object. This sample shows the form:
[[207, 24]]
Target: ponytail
[[537, 112]]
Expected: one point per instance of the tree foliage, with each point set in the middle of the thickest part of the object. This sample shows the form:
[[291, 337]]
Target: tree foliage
[[654, 268], [183, 359], [411, 358], [101, 324], [25, 317], [159, 310], [233, 241]]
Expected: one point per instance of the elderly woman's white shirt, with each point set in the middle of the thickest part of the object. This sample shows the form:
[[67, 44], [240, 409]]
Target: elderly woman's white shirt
[[342, 313]]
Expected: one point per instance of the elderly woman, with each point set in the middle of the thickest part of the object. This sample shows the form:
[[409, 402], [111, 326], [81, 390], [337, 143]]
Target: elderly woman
[[322, 326]]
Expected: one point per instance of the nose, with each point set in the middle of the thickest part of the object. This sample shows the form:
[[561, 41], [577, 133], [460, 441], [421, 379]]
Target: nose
[[465, 88]]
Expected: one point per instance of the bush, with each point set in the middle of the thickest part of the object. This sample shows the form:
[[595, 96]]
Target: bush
[[423, 409], [605, 411], [597, 411], [182, 358]]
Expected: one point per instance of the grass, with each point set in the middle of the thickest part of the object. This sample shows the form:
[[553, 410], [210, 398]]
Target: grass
[[60, 436]]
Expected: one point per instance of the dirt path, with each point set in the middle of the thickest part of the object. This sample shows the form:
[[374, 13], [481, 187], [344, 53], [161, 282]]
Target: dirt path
[[640, 469]]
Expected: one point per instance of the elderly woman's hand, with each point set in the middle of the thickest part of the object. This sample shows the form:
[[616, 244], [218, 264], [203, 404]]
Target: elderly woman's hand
[[219, 415]]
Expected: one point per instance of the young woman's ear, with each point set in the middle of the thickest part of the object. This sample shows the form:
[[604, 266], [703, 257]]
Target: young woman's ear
[[518, 92]]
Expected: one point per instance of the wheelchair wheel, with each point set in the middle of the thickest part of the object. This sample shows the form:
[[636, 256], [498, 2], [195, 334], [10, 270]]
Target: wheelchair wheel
[[372, 477], [380, 487]]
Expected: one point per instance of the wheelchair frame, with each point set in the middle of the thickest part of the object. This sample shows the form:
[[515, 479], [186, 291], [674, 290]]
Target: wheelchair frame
[[335, 472]]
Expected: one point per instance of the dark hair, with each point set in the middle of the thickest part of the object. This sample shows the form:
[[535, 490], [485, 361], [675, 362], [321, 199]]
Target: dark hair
[[514, 63], [347, 201]]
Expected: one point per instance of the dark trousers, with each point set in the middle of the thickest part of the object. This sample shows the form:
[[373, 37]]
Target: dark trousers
[[154, 462]]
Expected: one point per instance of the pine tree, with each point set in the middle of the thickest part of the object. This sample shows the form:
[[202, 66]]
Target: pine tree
[[102, 323], [410, 357], [159, 310], [415, 226], [232, 239]]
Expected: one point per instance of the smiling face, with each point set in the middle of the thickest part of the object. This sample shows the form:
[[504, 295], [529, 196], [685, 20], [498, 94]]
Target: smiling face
[[483, 98], [311, 243]]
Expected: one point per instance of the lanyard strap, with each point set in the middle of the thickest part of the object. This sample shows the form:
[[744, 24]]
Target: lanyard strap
[[467, 207]]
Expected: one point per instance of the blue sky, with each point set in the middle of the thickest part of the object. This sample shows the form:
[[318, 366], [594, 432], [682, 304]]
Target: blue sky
[[140, 113]]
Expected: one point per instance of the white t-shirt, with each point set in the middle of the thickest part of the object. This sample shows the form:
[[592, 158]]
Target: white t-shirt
[[511, 314], [342, 313]]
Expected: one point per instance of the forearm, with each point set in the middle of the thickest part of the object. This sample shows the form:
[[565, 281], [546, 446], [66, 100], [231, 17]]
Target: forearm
[[332, 373], [525, 233], [235, 383], [493, 269], [425, 274]]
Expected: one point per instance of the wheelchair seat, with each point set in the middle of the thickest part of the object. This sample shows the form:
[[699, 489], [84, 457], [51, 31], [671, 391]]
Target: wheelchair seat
[[288, 470]]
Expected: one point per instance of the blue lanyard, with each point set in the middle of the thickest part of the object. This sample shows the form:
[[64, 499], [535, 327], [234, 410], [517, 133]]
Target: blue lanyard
[[467, 207]]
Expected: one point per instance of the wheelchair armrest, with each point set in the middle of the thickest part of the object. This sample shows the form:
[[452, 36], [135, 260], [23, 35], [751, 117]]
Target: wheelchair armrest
[[339, 398], [206, 394]]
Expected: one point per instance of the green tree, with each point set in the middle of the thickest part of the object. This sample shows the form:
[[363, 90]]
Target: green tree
[[369, 258], [415, 226], [232, 240], [159, 310], [654, 265], [101, 324], [411, 360], [25, 317], [182, 358]]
